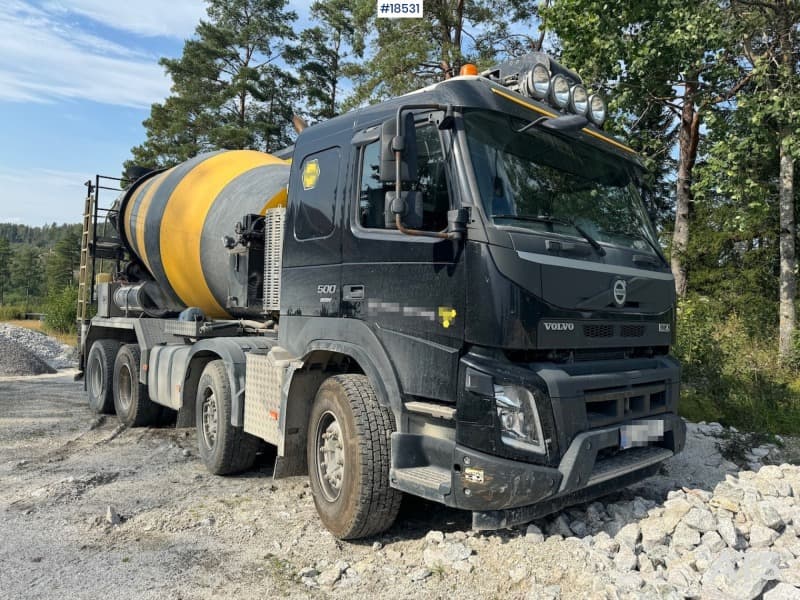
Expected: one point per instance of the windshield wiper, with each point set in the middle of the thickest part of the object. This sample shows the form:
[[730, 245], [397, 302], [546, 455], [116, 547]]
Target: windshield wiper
[[560, 221]]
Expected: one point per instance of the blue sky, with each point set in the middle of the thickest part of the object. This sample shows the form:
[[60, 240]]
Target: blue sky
[[77, 78]]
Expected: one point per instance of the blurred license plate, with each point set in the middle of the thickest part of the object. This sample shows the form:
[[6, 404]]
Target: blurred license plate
[[641, 433]]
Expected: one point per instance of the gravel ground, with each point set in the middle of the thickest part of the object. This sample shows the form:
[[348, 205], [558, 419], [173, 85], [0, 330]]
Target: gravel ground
[[48, 350], [88, 510]]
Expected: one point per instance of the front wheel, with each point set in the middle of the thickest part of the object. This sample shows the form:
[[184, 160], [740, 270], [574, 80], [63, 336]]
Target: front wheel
[[224, 449], [349, 458]]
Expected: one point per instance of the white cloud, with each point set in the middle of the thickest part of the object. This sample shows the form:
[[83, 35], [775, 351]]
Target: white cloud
[[37, 196], [43, 58], [170, 18]]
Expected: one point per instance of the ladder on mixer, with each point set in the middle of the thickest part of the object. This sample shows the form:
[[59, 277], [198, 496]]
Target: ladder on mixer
[[84, 285]]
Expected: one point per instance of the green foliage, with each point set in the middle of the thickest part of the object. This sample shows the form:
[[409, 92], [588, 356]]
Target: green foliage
[[5, 267], [62, 263], [731, 374], [228, 88], [60, 310], [322, 53], [407, 54], [11, 312]]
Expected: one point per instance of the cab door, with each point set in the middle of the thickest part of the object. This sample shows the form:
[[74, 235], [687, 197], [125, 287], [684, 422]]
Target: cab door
[[409, 290]]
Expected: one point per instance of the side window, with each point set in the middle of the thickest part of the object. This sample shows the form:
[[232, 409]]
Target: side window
[[431, 180], [319, 174]]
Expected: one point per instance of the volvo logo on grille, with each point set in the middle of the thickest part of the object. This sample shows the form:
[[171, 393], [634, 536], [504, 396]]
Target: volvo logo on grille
[[550, 326], [620, 291]]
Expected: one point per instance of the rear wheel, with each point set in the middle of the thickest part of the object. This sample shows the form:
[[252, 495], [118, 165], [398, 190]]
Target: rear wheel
[[133, 405], [349, 458], [225, 449], [100, 376]]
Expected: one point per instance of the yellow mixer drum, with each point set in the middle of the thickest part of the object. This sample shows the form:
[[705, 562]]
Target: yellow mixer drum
[[174, 220]]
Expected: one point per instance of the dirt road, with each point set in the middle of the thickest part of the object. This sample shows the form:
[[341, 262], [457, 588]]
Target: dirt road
[[174, 531]]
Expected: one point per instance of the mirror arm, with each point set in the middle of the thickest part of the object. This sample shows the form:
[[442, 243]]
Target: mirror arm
[[398, 157]]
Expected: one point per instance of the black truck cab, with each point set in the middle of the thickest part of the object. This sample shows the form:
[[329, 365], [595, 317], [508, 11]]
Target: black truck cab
[[526, 359]]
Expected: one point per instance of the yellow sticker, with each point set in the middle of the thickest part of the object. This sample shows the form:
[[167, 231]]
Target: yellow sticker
[[310, 174], [446, 314]]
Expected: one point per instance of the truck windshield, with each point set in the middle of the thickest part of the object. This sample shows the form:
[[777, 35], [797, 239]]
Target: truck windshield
[[541, 181]]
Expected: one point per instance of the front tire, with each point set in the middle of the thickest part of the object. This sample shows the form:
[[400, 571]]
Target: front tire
[[349, 458], [225, 449], [131, 400], [100, 376]]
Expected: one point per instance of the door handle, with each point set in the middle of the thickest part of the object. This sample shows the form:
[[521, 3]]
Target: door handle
[[353, 292]]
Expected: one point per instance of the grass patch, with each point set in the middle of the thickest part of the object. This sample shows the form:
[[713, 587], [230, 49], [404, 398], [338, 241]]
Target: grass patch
[[732, 373]]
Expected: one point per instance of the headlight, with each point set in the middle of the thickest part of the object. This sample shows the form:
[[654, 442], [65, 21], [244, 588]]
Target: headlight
[[519, 418], [536, 82], [559, 91], [597, 109], [578, 100]]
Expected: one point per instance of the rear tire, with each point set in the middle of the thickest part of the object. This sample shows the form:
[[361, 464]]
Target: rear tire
[[131, 400], [225, 449], [100, 376], [349, 458]]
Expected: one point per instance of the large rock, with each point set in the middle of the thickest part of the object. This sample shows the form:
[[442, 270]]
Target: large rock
[[767, 515], [446, 554], [629, 535], [725, 580], [727, 531], [782, 591], [713, 541], [700, 519], [685, 537], [762, 537]]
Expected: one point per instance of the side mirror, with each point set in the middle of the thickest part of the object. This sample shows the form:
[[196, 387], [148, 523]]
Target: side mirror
[[457, 223], [408, 206], [406, 142]]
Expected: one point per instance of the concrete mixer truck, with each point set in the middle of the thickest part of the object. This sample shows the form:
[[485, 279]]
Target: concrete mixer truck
[[456, 294]]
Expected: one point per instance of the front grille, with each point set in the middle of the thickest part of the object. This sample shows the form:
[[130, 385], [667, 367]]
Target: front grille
[[631, 330], [598, 331], [607, 406]]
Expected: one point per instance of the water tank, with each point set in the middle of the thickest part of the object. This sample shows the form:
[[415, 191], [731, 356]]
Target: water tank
[[174, 221]]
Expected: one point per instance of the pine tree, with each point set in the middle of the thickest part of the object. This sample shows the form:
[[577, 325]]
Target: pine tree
[[5, 268], [322, 56], [27, 277], [410, 53], [229, 89]]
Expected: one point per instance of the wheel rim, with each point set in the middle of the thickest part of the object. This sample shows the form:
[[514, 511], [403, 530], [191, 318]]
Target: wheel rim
[[330, 456], [125, 388], [210, 419], [96, 380]]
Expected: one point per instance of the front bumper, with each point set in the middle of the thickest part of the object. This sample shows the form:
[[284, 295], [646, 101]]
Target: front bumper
[[483, 481], [502, 492], [583, 408]]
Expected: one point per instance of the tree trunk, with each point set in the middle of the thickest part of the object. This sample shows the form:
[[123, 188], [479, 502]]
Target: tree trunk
[[688, 138], [788, 278]]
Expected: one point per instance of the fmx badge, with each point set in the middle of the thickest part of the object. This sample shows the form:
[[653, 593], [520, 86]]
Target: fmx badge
[[310, 174], [446, 315]]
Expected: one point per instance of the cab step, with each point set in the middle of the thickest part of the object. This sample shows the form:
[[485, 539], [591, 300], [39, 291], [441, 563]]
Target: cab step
[[430, 482]]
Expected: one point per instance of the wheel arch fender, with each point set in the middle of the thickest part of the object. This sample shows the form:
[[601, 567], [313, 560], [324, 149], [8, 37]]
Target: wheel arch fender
[[322, 359], [374, 364]]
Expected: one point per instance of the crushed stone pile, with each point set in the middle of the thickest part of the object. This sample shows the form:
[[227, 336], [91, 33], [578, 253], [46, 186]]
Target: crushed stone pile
[[15, 359], [703, 528], [52, 352]]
